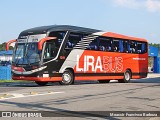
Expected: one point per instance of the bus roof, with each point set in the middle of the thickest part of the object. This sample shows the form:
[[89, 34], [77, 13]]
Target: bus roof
[[45, 29], [115, 35]]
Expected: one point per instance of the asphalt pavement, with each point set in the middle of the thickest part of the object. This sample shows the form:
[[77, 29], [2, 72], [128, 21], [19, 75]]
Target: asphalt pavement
[[85, 99]]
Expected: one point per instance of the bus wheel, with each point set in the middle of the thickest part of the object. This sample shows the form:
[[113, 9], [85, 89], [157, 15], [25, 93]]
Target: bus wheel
[[41, 83], [103, 81], [127, 77], [67, 78]]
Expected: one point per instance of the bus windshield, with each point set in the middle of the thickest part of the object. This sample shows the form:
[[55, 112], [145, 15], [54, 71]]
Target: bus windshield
[[26, 53]]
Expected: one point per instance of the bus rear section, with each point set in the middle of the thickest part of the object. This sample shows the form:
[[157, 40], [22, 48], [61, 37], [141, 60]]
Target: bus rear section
[[103, 66], [99, 60], [69, 53]]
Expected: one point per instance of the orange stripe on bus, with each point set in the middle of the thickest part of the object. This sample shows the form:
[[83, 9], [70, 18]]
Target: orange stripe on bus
[[48, 79]]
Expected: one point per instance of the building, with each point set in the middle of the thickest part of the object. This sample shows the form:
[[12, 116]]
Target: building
[[6, 55]]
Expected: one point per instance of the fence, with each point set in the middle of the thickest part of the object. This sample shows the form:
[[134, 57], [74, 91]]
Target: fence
[[5, 73]]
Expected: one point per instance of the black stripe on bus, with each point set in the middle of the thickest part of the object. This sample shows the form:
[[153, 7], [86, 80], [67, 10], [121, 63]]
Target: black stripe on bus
[[139, 74], [101, 74], [109, 74]]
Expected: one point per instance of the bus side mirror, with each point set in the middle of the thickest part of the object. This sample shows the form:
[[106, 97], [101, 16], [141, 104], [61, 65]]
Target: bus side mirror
[[9, 42], [43, 40]]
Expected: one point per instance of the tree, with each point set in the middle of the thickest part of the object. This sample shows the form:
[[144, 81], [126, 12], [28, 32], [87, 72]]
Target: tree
[[154, 44], [3, 47]]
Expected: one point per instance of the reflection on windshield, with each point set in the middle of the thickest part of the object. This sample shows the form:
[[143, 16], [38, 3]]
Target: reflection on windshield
[[26, 53]]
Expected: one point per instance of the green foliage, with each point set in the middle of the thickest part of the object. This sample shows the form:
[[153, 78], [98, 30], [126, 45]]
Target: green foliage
[[11, 48], [150, 61], [154, 44], [3, 47]]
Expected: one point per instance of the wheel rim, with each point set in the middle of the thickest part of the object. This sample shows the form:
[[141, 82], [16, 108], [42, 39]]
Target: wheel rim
[[127, 76], [66, 78]]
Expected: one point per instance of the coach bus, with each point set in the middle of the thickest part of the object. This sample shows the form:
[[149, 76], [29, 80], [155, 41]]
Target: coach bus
[[66, 53]]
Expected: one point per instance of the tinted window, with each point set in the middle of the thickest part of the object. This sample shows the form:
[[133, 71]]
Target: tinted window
[[116, 46], [125, 46], [133, 47], [52, 46], [73, 39], [93, 45], [141, 47], [105, 44], [51, 49]]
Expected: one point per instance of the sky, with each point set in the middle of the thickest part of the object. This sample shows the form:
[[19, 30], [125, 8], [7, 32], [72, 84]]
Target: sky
[[138, 18]]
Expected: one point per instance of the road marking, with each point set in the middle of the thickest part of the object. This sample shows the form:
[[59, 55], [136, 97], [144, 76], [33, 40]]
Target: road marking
[[18, 95], [33, 93], [1, 98]]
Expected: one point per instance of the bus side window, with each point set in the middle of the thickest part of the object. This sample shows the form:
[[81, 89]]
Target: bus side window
[[104, 44], [73, 39], [93, 45], [121, 46], [116, 45], [50, 50], [139, 47], [52, 46], [59, 35], [133, 47], [125, 46], [144, 47]]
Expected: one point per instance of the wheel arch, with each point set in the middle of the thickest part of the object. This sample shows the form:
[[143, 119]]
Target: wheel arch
[[71, 69], [71, 79], [128, 69]]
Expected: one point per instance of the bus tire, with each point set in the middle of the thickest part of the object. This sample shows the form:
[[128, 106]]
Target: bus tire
[[41, 83], [127, 77], [67, 78], [103, 81]]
